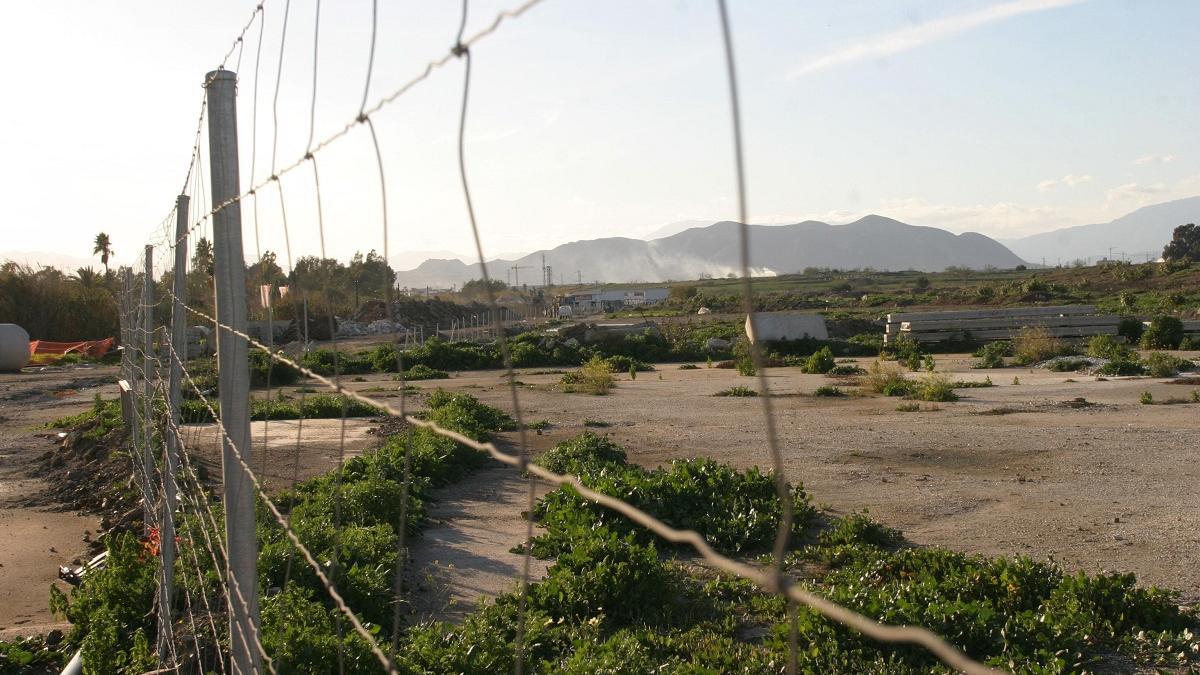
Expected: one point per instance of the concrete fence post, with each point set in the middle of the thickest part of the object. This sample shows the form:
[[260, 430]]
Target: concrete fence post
[[178, 342], [148, 370], [233, 371]]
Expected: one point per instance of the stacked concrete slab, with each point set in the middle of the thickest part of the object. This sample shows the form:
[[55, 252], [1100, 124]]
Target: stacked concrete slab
[[1071, 321], [1191, 329]]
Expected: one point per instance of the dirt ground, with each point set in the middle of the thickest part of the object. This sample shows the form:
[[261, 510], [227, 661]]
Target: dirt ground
[[34, 541], [1015, 469]]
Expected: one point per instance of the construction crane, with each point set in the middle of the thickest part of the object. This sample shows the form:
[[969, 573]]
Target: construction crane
[[516, 270]]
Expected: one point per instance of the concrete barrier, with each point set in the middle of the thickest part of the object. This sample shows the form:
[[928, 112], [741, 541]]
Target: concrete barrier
[[1067, 321], [774, 326]]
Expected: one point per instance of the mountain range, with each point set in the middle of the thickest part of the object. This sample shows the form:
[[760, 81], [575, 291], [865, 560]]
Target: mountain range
[[1137, 236], [873, 241]]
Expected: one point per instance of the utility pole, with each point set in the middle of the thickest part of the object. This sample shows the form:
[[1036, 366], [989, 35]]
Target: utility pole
[[233, 372], [171, 461]]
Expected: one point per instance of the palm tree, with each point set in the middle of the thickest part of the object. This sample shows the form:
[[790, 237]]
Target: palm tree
[[104, 249], [88, 277]]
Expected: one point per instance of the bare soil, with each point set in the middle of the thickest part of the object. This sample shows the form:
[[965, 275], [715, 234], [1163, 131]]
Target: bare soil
[[37, 535], [1062, 466], [1016, 469]]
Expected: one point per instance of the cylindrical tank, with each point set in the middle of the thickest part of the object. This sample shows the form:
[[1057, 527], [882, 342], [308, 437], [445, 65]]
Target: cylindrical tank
[[14, 347]]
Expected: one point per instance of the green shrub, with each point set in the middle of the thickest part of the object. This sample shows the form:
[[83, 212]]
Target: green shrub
[[857, 529], [846, 370], [589, 422], [608, 577], [934, 387], [330, 362], [743, 358], [1105, 347], [819, 362], [424, 372], [1035, 344], [887, 379], [464, 413], [266, 370], [1130, 366], [828, 391], [586, 452], [737, 391], [992, 354], [688, 366], [594, 377], [1146, 398], [624, 364], [1160, 364], [1165, 332], [1131, 328], [733, 510]]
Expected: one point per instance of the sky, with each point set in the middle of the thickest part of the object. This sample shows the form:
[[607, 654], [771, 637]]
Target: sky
[[594, 119]]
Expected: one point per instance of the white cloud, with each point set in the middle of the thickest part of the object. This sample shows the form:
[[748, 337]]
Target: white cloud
[[1069, 180], [1001, 220], [1134, 195], [1151, 158], [895, 42]]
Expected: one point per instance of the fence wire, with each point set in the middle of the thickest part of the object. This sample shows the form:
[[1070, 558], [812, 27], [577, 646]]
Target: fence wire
[[199, 531]]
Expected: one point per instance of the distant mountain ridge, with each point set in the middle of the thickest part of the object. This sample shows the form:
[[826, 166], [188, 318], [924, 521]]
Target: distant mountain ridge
[[873, 241], [1139, 234]]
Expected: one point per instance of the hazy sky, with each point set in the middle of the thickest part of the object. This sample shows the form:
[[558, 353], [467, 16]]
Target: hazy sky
[[593, 119]]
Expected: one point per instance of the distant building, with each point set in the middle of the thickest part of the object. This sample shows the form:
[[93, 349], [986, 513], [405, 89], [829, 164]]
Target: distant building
[[612, 301]]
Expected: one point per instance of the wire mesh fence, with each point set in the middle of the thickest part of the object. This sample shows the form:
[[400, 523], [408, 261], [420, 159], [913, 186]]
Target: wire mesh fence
[[208, 544]]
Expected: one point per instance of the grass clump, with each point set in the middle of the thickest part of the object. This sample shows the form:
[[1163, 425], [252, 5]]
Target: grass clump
[[688, 366], [827, 390], [599, 424], [100, 420], [1146, 398], [738, 391], [934, 387], [1161, 364], [886, 378], [594, 377], [1035, 344]]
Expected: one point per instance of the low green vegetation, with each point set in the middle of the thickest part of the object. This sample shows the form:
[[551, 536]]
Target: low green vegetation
[[820, 362], [318, 406], [101, 419], [348, 518], [594, 377], [738, 391], [828, 391], [423, 372], [1164, 332]]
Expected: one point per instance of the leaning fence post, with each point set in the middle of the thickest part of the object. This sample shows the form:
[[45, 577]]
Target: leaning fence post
[[233, 371], [148, 387], [178, 352]]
